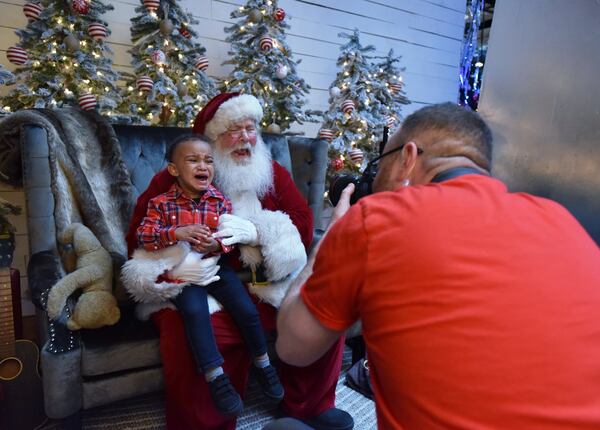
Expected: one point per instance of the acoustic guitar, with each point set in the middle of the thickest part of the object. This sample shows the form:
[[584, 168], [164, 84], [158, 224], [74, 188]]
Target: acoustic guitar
[[21, 395]]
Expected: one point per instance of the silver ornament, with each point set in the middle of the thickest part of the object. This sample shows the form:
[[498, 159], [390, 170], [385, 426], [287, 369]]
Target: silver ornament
[[281, 71], [72, 43], [334, 91], [166, 27], [255, 16], [182, 90], [273, 128]]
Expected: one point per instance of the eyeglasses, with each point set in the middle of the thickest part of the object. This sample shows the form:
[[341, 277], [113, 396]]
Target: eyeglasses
[[237, 133], [374, 161]]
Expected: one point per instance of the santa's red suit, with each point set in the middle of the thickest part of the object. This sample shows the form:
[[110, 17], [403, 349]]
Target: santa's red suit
[[308, 391]]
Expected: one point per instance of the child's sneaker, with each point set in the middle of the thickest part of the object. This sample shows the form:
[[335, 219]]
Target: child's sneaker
[[226, 399], [269, 382]]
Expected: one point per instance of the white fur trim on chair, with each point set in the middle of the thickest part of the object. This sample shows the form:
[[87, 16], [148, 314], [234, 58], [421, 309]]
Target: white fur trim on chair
[[233, 110]]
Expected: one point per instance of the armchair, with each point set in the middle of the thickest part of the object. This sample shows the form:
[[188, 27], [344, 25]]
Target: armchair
[[90, 368]]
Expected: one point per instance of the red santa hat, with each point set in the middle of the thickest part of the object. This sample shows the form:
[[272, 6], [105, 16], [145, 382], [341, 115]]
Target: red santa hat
[[225, 109]]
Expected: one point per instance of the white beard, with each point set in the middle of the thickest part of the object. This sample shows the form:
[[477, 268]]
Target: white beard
[[251, 178]]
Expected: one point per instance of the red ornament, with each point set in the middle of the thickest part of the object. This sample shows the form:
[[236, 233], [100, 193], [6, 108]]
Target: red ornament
[[348, 106], [279, 14], [16, 55], [32, 11], [201, 63], [356, 155], [395, 88], [97, 31], [266, 43], [185, 33], [87, 101], [337, 164], [145, 83], [151, 5], [326, 134], [81, 6]]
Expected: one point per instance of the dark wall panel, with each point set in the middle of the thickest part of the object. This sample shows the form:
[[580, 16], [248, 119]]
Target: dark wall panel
[[541, 96]]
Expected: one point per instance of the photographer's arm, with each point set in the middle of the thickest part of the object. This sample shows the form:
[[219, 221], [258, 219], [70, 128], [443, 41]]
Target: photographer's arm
[[302, 338]]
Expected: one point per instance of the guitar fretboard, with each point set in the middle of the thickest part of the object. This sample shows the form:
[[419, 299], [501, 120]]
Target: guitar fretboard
[[7, 331]]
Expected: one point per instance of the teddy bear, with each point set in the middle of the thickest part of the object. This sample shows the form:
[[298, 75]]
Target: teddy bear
[[96, 307]]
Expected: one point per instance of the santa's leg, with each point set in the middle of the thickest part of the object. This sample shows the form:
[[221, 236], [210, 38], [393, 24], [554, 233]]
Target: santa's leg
[[310, 391], [188, 401]]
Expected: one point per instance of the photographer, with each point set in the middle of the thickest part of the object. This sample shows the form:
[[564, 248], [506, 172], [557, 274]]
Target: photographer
[[479, 306]]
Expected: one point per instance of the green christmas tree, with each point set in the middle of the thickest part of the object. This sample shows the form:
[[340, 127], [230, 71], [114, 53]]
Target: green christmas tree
[[263, 64], [63, 58], [169, 85], [391, 95], [355, 118]]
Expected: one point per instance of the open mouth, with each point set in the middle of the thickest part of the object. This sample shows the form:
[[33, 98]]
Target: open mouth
[[202, 177], [243, 152]]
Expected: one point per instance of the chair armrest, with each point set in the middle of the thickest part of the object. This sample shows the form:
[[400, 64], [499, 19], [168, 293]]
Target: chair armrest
[[43, 271]]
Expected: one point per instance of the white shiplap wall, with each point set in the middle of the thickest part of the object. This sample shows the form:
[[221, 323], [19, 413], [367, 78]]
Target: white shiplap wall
[[427, 33]]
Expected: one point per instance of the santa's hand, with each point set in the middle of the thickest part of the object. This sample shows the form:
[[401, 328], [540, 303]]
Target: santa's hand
[[236, 230], [198, 270]]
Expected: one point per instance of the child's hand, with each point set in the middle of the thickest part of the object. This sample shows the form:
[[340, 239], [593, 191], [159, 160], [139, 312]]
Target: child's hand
[[208, 245], [196, 234]]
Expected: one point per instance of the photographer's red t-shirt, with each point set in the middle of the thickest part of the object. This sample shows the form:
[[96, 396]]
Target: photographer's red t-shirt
[[480, 308]]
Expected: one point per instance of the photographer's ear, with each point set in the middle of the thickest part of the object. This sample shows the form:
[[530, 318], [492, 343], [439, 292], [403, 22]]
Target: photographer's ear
[[404, 165]]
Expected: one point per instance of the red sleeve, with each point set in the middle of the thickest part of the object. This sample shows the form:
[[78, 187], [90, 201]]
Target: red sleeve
[[332, 293], [290, 201], [153, 232], [160, 183]]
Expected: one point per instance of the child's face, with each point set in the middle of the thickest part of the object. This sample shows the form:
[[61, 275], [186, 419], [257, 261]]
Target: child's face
[[193, 167]]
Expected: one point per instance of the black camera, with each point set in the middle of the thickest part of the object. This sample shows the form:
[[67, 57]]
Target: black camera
[[363, 184]]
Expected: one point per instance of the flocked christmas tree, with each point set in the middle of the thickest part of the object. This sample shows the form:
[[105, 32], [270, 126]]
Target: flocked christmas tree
[[391, 95], [63, 58], [263, 64], [169, 85], [6, 78], [355, 119]]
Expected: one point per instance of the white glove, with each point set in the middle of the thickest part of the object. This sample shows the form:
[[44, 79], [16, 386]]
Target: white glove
[[236, 230], [195, 269]]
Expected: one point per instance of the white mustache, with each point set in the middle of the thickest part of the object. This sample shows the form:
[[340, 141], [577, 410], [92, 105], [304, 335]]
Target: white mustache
[[241, 146]]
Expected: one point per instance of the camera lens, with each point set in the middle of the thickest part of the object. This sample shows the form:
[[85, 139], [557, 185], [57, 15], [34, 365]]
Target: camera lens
[[337, 185]]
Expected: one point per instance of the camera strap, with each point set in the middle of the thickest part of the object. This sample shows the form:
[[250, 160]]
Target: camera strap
[[454, 173]]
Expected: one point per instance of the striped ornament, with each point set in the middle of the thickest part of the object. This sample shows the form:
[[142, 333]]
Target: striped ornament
[[348, 106], [356, 155], [144, 83], [395, 88], [390, 121], [32, 11], [16, 55], [151, 5], [326, 134], [201, 63], [266, 43], [185, 33], [87, 101], [97, 31]]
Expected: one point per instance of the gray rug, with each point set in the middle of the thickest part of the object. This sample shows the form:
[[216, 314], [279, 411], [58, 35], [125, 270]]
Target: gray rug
[[148, 412]]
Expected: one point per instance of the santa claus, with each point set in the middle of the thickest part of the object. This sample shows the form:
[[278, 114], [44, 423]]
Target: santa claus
[[271, 226]]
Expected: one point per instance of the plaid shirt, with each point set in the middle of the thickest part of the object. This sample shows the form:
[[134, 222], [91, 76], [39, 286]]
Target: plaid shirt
[[174, 209]]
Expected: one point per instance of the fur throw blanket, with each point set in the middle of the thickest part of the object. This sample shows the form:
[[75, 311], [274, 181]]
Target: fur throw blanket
[[90, 182]]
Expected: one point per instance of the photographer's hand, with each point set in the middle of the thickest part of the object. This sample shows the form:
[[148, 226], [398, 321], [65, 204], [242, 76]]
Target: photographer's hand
[[343, 205]]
